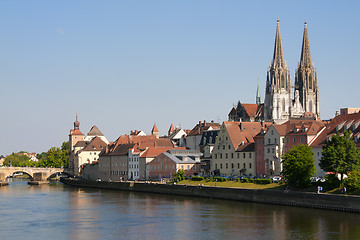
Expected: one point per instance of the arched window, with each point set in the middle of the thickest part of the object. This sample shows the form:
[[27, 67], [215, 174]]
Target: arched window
[[282, 81], [310, 82]]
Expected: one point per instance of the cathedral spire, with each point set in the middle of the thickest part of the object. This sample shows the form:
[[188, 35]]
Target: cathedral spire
[[258, 100], [305, 60], [278, 59]]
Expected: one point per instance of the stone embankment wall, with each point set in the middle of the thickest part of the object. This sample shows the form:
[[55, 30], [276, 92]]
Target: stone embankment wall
[[310, 200]]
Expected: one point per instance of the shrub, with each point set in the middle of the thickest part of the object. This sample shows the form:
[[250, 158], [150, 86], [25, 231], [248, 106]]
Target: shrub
[[197, 178], [352, 183], [332, 181], [262, 181], [220, 179], [245, 180]]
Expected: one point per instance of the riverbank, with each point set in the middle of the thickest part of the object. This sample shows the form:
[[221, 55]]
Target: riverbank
[[299, 199]]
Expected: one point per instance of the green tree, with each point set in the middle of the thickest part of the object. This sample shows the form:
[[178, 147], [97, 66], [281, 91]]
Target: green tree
[[299, 166], [180, 175], [55, 157], [352, 183], [15, 160], [340, 155]]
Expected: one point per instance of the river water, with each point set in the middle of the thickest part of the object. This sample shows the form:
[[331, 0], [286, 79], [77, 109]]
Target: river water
[[57, 211]]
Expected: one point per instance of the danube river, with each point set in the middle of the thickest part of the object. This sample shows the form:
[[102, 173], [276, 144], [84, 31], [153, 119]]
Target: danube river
[[57, 211]]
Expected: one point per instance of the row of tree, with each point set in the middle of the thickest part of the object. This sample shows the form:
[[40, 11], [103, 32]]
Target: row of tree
[[54, 157], [339, 156]]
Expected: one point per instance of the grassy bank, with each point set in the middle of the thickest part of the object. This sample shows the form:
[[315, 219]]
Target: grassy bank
[[234, 184]]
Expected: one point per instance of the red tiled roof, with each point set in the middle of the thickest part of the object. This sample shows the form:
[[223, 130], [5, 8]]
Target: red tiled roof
[[338, 124], [154, 129], [242, 132], [250, 109], [76, 132]]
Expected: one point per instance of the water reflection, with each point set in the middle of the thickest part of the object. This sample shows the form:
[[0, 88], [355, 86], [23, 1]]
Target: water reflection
[[56, 211]]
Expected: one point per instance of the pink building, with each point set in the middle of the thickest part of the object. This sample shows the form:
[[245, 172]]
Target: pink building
[[168, 163]]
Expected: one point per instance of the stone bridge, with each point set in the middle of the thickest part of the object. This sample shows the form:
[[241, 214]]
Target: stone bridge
[[44, 173]]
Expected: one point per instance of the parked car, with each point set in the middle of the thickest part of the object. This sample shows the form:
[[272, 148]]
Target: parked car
[[276, 179]]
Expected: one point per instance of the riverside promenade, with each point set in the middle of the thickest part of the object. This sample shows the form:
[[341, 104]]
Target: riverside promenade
[[299, 199]]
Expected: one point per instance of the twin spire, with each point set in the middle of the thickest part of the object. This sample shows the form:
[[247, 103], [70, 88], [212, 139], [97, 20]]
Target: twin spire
[[278, 58]]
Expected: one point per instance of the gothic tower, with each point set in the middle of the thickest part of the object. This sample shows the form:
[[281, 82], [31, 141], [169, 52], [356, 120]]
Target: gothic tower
[[278, 100], [306, 79]]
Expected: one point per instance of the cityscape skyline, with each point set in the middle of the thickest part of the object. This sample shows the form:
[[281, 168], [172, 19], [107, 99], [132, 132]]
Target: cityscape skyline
[[124, 66]]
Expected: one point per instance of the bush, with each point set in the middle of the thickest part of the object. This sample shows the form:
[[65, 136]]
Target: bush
[[263, 181], [352, 183], [245, 180], [197, 178], [220, 179], [332, 181]]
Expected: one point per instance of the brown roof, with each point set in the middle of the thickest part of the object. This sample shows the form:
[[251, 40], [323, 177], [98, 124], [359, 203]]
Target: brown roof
[[80, 144], [339, 124], [155, 151], [242, 132], [96, 144], [117, 149], [200, 127], [94, 131]]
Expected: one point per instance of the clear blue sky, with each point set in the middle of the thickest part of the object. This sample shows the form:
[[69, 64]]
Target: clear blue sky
[[124, 65]]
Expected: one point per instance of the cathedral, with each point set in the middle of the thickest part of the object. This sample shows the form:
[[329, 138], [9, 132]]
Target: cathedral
[[280, 104]]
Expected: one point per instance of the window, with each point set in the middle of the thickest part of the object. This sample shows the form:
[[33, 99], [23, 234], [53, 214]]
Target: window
[[244, 155], [275, 140], [272, 133], [232, 165], [268, 150], [269, 140], [220, 165], [249, 155], [238, 155], [229, 147], [182, 167], [188, 167], [244, 165], [283, 140], [215, 165], [238, 165], [223, 146], [249, 165], [259, 152], [226, 138], [220, 155], [226, 155], [259, 164], [232, 155], [301, 140], [227, 166], [216, 156], [294, 140], [273, 150]]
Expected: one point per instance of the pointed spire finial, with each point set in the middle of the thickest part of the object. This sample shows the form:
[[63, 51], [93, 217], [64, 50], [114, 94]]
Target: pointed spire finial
[[278, 58]]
